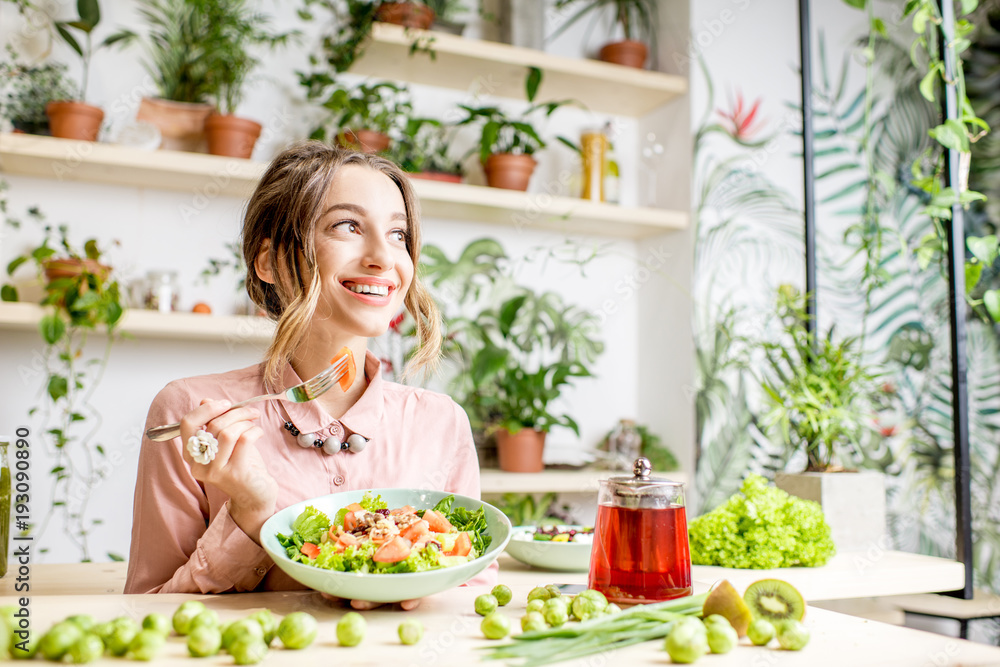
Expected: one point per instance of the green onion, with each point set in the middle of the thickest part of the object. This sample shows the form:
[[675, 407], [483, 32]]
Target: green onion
[[574, 640]]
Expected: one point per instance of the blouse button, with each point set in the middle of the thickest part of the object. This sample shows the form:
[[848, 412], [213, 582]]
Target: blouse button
[[261, 571], [338, 480]]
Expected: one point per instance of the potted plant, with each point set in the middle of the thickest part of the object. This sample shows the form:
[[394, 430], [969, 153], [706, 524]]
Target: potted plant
[[821, 396], [507, 143], [81, 297], [196, 53], [75, 119], [447, 14], [365, 117], [422, 151], [26, 89], [638, 20], [236, 29], [407, 13], [515, 350]]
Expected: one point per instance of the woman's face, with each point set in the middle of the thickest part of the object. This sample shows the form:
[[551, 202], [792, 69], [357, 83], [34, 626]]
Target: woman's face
[[361, 253]]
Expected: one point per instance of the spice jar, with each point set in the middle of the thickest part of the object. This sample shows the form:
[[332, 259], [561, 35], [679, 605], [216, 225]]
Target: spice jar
[[162, 293]]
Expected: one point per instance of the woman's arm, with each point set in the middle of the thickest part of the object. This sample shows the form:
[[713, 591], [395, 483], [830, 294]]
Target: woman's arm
[[177, 545]]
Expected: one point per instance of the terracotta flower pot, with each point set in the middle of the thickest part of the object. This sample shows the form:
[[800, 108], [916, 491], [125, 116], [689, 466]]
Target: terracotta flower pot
[[231, 136], [71, 267], [629, 53], [408, 14], [522, 451], [509, 171], [435, 176], [366, 141], [74, 120], [182, 124]]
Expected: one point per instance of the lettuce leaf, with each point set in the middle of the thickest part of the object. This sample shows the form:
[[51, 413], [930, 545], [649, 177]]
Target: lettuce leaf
[[372, 502], [428, 558], [311, 525], [475, 524]]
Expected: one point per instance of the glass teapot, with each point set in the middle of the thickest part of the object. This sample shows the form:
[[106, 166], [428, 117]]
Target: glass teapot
[[640, 551]]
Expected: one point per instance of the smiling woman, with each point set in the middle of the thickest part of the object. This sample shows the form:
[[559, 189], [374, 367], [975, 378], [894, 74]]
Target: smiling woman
[[331, 239]]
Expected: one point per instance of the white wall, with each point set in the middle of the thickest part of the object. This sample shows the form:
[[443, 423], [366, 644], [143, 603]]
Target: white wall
[[640, 375]]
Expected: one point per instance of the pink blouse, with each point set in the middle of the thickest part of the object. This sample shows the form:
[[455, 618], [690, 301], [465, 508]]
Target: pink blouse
[[183, 539]]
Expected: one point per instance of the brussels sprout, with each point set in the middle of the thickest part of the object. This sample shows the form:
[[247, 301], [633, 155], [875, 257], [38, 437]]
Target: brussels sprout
[[204, 641], [185, 614], [206, 619], [84, 621], [121, 636], [87, 648], [722, 637], [792, 635], [146, 645], [268, 623], [56, 642], [761, 632], [486, 604], [612, 609], [533, 620], [351, 629], [536, 605], [24, 649], [555, 612], [157, 622], [687, 640], [248, 649], [502, 594], [237, 629], [539, 593], [495, 626], [410, 632], [297, 630]]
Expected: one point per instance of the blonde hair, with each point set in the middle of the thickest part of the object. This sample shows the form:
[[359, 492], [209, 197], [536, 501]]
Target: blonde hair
[[284, 210]]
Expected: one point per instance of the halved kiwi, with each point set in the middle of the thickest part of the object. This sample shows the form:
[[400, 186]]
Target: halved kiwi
[[775, 600], [724, 600]]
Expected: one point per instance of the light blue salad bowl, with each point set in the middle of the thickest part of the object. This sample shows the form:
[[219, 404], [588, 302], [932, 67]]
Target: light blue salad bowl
[[383, 587]]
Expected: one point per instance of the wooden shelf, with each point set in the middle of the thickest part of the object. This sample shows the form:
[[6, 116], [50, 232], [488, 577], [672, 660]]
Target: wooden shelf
[[210, 175], [499, 69], [233, 330], [585, 480]]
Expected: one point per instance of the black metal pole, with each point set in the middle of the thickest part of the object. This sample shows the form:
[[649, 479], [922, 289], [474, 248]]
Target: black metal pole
[[956, 309], [808, 169]]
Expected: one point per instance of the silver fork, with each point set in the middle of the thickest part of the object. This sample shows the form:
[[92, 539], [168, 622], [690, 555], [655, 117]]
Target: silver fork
[[300, 393]]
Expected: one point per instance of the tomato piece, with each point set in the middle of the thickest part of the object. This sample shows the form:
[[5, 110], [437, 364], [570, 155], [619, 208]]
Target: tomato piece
[[355, 507], [393, 551], [423, 540], [309, 550], [415, 531], [438, 522], [350, 522], [405, 509], [347, 540], [463, 546], [347, 379]]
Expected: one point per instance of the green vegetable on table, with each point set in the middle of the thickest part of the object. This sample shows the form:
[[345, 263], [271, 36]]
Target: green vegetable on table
[[248, 649], [58, 640], [410, 631], [761, 527], [533, 620], [486, 604], [351, 629], [297, 630], [185, 613], [204, 641], [157, 622], [495, 626], [503, 594], [761, 632], [687, 640], [793, 636], [146, 645], [87, 648], [245, 627]]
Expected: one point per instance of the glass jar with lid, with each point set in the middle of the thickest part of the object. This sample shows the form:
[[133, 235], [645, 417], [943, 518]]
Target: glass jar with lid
[[640, 551], [161, 291]]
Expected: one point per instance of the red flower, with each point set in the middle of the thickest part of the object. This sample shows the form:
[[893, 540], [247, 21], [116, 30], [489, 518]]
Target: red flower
[[739, 121], [887, 431], [396, 321], [888, 388]]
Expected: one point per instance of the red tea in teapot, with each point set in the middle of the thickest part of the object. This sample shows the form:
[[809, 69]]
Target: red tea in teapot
[[641, 554]]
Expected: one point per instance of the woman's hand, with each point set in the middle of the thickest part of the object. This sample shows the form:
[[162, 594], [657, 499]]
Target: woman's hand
[[365, 605], [237, 469]]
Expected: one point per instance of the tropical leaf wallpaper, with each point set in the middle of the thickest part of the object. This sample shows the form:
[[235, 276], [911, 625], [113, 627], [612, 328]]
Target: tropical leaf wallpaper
[[876, 280]]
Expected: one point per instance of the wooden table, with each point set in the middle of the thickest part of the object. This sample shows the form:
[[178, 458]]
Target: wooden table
[[452, 628]]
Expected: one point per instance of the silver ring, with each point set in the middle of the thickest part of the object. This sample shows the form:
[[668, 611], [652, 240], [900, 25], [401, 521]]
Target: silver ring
[[202, 446]]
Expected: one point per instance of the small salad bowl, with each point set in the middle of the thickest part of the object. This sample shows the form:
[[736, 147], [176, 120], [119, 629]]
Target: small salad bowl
[[383, 587], [568, 556]]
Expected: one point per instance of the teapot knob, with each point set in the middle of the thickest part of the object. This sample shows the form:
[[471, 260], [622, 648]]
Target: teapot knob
[[642, 467]]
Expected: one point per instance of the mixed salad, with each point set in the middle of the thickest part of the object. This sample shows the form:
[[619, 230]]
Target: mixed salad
[[563, 534], [368, 537]]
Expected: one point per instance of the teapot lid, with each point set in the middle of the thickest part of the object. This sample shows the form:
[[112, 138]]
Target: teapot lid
[[640, 483]]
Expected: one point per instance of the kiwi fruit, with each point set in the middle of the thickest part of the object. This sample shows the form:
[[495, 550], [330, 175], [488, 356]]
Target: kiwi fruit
[[725, 601], [775, 600]]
